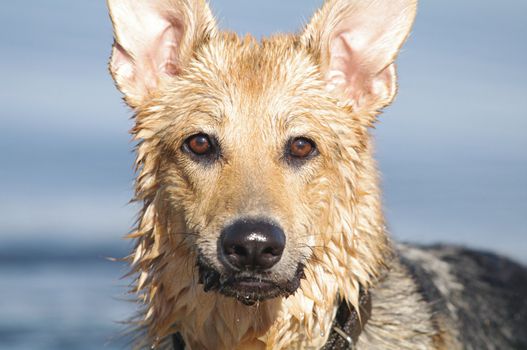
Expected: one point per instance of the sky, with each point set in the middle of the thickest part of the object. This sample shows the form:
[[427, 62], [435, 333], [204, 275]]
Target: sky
[[452, 148]]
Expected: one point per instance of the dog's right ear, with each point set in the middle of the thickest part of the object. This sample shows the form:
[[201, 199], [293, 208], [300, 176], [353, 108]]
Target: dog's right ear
[[154, 39]]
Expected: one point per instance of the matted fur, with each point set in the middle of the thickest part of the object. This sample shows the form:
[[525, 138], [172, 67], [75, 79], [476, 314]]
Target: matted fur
[[182, 76], [349, 225], [187, 77]]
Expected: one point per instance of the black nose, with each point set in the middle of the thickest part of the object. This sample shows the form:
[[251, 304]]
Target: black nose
[[252, 245]]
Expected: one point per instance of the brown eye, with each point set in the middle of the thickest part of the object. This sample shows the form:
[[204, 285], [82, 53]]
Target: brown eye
[[200, 145], [301, 147]]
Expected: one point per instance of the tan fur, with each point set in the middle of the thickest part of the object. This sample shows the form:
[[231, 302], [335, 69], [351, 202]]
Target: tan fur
[[254, 96]]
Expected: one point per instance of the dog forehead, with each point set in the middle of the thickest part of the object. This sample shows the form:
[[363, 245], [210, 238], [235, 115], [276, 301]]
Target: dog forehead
[[240, 86], [274, 67]]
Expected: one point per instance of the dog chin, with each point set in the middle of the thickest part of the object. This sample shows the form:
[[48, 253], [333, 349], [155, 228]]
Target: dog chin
[[248, 287]]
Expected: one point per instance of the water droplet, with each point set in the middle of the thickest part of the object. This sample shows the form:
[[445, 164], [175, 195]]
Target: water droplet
[[238, 320], [302, 316], [322, 333]]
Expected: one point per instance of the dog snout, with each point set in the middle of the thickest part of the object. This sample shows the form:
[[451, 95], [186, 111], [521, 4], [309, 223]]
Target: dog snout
[[252, 245]]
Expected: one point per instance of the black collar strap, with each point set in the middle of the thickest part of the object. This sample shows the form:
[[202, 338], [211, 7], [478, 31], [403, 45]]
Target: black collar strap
[[177, 342], [347, 325], [345, 331]]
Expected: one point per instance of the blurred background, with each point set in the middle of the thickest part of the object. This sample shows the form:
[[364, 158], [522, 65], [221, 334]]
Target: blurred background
[[452, 148]]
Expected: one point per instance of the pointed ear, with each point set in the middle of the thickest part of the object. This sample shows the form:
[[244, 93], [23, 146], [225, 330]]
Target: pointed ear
[[357, 42], [154, 39]]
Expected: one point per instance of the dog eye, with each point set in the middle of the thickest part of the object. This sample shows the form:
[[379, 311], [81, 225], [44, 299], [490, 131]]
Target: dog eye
[[301, 148], [200, 145]]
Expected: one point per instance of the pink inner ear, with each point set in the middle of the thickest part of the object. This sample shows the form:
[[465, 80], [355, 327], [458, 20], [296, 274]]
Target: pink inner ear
[[160, 56], [352, 73], [165, 50], [346, 74]]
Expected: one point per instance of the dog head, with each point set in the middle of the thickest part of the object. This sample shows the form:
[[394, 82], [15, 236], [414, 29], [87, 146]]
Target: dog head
[[254, 157]]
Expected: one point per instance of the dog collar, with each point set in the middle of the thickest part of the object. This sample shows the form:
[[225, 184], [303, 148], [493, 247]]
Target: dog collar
[[349, 324], [345, 331]]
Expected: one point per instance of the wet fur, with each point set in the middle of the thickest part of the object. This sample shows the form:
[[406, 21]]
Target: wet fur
[[253, 96], [343, 263]]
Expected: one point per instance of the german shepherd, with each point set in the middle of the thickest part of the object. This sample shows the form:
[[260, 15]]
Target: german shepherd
[[261, 224]]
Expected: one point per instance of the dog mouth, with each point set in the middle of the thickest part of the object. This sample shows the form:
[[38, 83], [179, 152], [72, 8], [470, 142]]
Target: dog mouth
[[246, 286]]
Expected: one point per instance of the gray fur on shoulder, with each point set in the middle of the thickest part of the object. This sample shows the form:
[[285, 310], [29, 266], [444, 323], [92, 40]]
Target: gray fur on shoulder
[[478, 299]]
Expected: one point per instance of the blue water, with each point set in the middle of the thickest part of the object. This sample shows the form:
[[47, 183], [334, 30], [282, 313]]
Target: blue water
[[51, 300]]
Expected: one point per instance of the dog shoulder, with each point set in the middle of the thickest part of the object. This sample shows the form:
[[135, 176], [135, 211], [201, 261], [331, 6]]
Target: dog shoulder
[[482, 295]]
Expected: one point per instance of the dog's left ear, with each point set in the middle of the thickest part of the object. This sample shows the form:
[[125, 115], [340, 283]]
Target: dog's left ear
[[357, 42]]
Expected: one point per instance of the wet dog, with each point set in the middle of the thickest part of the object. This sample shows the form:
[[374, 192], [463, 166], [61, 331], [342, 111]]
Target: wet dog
[[261, 225]]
